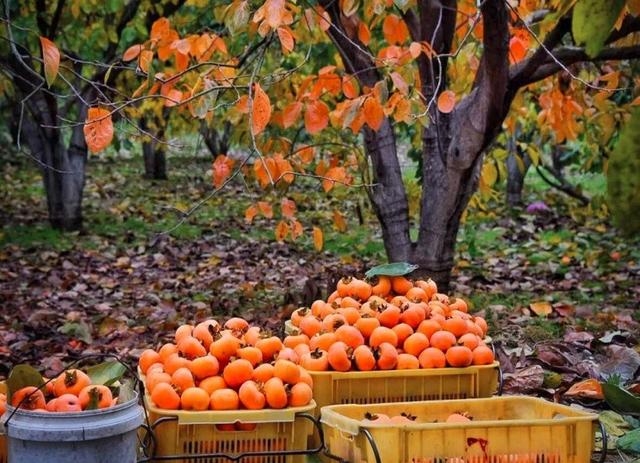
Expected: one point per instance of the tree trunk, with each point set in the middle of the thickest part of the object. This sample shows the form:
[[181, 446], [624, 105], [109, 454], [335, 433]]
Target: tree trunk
[[516, 171], [155, 162], [217, 141]]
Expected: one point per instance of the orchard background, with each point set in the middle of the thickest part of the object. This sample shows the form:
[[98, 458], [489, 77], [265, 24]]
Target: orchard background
[[167, 161]]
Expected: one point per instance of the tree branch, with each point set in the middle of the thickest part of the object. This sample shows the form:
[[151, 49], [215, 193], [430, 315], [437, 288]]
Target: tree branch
[[56, 19]]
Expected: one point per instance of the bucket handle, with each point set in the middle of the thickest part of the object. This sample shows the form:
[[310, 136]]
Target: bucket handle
[[603, 433], [237, 457]]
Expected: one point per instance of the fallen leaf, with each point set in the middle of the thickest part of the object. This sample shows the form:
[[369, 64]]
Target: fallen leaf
[[588, 389], [541, 309]]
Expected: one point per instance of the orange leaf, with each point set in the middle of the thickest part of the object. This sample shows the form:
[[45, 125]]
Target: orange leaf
[[589, 388], [373, 113], [250, 213], [132, 53], [541, 309], [306, 154], [333, 174], [296, 230], [286, 39], [284, 169], [182, 45], [394, 29], [291, 113], [415, 49], [265, 209], [51, 58], [399, 83], [349, 87], [318, 239], [339, 222], [222, 167], [282, 230], [261, 110], [363, 33], [174, 97], [160, 31], [316, 117], [288, 208], [98, 129], [144, 60], [446, 101], [636, 101], [243, 104], [265, 170], [517, 50]]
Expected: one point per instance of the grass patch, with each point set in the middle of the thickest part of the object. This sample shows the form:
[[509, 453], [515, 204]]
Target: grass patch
[[540, 329]]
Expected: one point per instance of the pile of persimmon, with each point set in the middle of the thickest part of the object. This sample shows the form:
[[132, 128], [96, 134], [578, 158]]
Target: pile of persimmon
[[404, 418], [393, 324], [233, 366], [71, 391]]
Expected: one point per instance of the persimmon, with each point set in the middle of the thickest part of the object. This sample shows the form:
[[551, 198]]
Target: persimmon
[[474, 328], [287, 371], [182, 379], [194, 398], [164, 396], [432, 357], [226, 427], [360, 289], [366, 324], [343, 287], [182, 332], [298, 315], [338, 356], [402, 331], [350, 335], [29, 398], [237, 324], [442, 340], [441, 297], [205, 366], [349, 302], [407, 362], [383, 334], [251, 397], [174, 362], [96, 394], [275, 393], [224, 347], [399, 301], [323, 341], [469, 340], [428, 327], [316, 308], [3, 404], [310, 325], [459, 314], [367, 311], [270, 347], [288, 354], [224, 399], [50, 406], [387, 356], [166, 350], [191, 348], [363, 358], [333, 322], [458, 418], [413, 315], [250, 353], [213, 383], [456, 326], [153, 368], [305, 377], [332, 297], [316, 360], [154, 378], [252, 335], [70, 403], [482, 355], [237, 372], [481, 322], [301, 349], [148, 358], [292, 341], [205, 332], [383, 287], [300, 395], [263, 372], [350, 314], [415, 344], [389, 316], [401, 285], [417, 294], [326, 311], [429, 287], [459, 304], [245, 427], [377, 418], [70, 382], [459, 356]]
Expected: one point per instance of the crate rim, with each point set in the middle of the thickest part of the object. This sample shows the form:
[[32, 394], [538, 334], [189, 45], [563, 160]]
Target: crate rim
[[330, 416], [446, 371]]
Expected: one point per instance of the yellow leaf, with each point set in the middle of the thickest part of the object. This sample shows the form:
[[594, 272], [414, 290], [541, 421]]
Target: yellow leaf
[[282, 230], [318, 239], [339, 222], [489, 173], [542, 309]]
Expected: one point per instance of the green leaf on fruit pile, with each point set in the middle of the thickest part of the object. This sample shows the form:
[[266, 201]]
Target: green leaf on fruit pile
[[391, 270], [592, 22], [630, 442], [621, 400], [615, 426], [22, 376], [126, 392], [106, 373]]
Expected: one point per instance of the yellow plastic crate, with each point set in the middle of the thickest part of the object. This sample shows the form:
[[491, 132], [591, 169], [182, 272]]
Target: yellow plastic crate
[[514, 429], [383, 386], [188, 433]]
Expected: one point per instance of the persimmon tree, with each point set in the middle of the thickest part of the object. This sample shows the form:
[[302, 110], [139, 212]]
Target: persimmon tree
[[328, 90]]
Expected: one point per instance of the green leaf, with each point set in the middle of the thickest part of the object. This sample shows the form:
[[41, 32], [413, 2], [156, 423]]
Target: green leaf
[[106, 373], [77, 330], [630, 442], [592, 22], [402, 4], [392, 270], [22, 376], [126, 392], [621, 400], [94, 399]]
